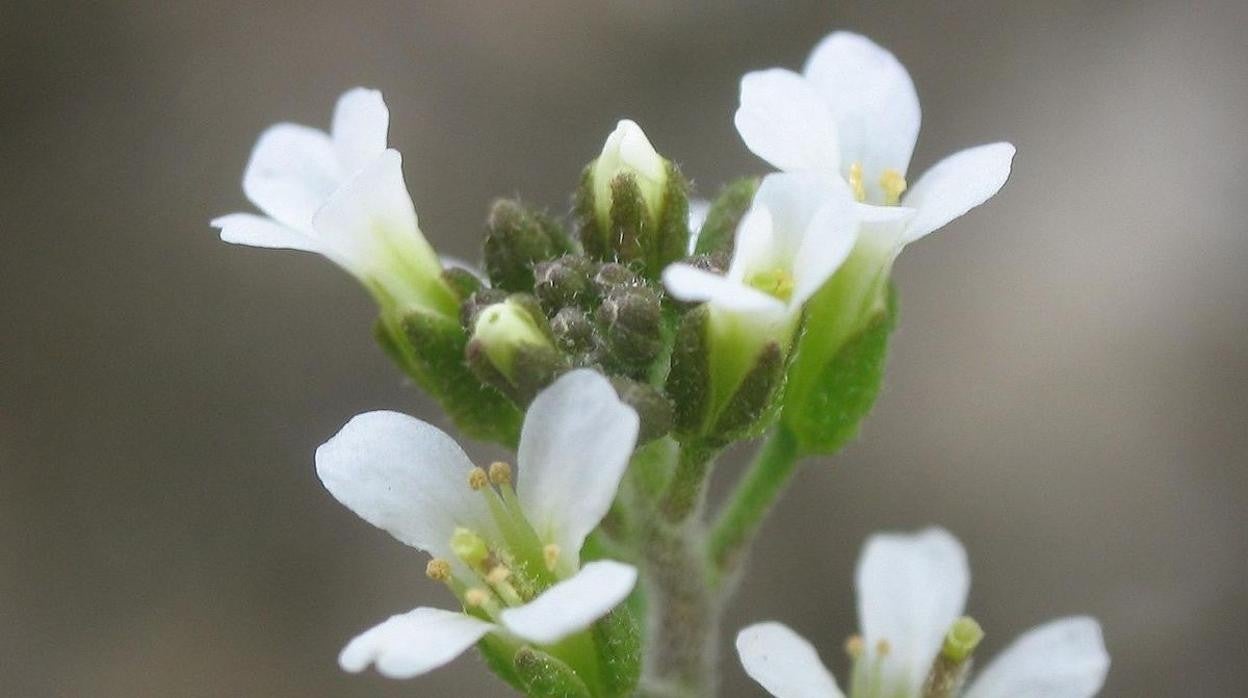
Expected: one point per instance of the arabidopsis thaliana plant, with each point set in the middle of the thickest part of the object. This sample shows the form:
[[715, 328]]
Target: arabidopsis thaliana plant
[[911, 592], [341, 194], [510, 554]]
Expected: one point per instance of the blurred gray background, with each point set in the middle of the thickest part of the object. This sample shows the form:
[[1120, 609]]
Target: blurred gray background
[[1066, 393]]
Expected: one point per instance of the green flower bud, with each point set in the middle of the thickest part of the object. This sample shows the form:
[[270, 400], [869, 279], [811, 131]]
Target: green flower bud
[[512, 348], [632, 321], [628, 153], [516, 239], [653, 408], [612, 276], [575, 333], [478, 301], [563, 282], [719, 231]]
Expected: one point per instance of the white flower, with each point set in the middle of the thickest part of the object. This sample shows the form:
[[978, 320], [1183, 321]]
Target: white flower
[[911, 590], [512, 556], [853, 113], [628, 151], [342, 195]]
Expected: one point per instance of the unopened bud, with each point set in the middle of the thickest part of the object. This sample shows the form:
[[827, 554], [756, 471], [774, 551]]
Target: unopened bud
[[632, 319], [503, 330], [628, 153], [564, 282], [462, 282], [653, 408], [517, 239], [512, 349], [612, 276], [478, 301], [574, 332]]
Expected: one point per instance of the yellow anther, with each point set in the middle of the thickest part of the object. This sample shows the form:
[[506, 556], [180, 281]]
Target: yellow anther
[[500, 473], [477, 479], [438, 570], [893, 183], [498, 575], [854, 646], [855, 181], [777, 283], [476, 597], [882, 648], [551, 554]]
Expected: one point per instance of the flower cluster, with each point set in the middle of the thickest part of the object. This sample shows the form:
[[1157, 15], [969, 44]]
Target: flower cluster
[[619, 349]]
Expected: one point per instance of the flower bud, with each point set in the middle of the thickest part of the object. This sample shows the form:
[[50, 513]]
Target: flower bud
[[516, 239], [628, 153], [564, 282], [612, 276], [719, 229], [512, 348], [632, 321], [653, 408], [575, 334]]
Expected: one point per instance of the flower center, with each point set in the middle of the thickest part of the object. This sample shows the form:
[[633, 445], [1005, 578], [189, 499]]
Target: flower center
[[892, 184], [777, 283]]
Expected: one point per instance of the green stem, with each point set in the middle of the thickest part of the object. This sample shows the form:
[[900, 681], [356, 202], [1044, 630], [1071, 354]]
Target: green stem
[[688, 485], [752, 498]]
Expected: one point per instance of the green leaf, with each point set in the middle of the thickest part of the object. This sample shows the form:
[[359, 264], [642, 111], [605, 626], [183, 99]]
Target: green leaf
[[825, 410]]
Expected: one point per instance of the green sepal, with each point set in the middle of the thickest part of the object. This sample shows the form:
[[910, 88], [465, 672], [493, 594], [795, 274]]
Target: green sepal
[[498, 654], [593, 238], [617, 638], [689, 380], [634, 235], [654, 409], [462, 282], [753, 407], [719, 230], [544, 676], [671, 239], [826, 409], [632, 326], [516, 239], [431, 349]]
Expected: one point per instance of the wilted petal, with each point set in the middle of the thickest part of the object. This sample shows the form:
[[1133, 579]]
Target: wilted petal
[[258, 231], [575, 445], [573, 604], [292, 171], [413, 643], [911, 588], [695, 285], [872, 100], [784, 663], [1062, 659], [361, 120], [956, 185], [405, 477], [785, 122]]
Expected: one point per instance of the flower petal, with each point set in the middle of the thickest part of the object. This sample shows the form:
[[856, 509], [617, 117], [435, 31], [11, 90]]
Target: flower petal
[[405, 477], [695, 285], [292, 171], [573, 604], [413, 643], [784, 663], [911, 588], [956, 185], [258, 231], [575, 445], [784, 121], [361, 120], [872, 100], [1064, 658], [829, 238]]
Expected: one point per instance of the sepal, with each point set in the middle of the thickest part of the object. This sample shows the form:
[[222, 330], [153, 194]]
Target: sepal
[[545, 676], [617, 638], [689, 380], [632, 323], [517, 239], [718, 231], [512, 348]]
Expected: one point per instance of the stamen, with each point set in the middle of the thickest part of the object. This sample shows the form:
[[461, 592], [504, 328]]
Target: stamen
[[854, 647], [551, 555], [438, 570], [498, 580], [882, 648], [855, 181], [477, 479], [500, 473], [893, 183], [498, 575], [476, 597]]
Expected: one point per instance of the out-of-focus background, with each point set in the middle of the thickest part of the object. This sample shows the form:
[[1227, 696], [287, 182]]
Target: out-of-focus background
[[1066, 392]]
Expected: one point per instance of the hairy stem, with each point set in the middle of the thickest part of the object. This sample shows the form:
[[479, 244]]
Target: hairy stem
[[751, 499], [687, 488]]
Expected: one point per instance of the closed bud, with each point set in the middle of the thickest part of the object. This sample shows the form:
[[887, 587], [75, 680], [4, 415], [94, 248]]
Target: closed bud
[[719, 230], [462, 282], [653, 408], [565, 282], [478, 301], [632, 321], [517, 239], [612, 276], [511, 348], [574, 332]]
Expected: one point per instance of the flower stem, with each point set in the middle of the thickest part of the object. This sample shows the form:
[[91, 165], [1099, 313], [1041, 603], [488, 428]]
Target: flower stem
[[688, 485], [751, 499]]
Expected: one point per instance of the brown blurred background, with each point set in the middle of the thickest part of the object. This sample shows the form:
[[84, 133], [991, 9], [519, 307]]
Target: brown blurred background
[[1067, 389]]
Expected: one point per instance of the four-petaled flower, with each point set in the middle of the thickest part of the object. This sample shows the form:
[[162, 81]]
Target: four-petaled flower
[[911, 592], [342, 195], [511, 555]]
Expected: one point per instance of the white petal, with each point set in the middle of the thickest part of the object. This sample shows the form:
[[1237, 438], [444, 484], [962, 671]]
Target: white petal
[[791, 200], [371, 223], [784, 663], [575, 445], [413, 643], [637, 153], [871, 98], [1062, 659], [573, 604], [258, 231], [292, 171], [694, 285], [404, 476], [361, 120], [698, 210], [911, 588], [785, 122], [829, 238], [459, 263], [956, 185]]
